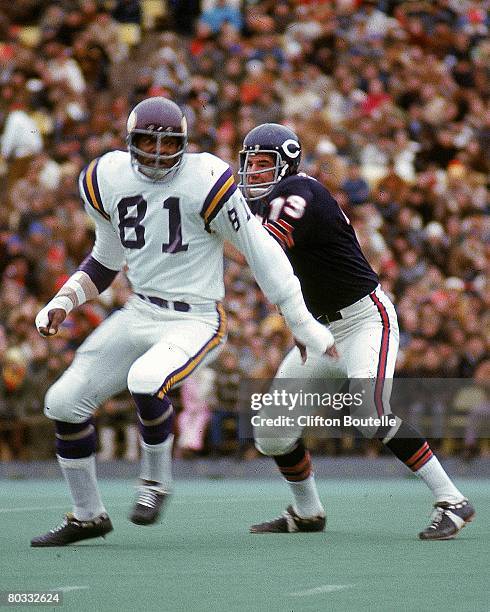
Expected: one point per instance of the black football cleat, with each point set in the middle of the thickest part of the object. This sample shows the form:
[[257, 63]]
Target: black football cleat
[[72, 530], [148, 506], [290, 522], [447, 520]]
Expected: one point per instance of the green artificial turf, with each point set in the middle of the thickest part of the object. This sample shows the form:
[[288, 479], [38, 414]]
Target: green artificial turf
[[201, 556]]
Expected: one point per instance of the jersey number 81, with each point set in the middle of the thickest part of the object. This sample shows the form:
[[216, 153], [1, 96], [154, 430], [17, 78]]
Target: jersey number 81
[[129, 221]]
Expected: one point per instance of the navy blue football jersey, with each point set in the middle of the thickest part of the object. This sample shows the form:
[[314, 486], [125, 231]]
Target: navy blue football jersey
[[320, 242]]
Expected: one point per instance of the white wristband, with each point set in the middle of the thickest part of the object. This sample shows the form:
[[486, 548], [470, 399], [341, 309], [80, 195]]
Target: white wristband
[[303, 326], [74, 284]]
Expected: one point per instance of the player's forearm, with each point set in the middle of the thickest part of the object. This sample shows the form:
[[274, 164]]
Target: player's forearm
[[273, 272], [86, 284], [91, 279], [302, 324], [100, 276], [276, 278], [268, 263]]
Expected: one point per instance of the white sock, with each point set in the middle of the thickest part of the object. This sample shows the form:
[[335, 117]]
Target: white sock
[[82, 481], [306, 500], [156, 462], [434, 476]]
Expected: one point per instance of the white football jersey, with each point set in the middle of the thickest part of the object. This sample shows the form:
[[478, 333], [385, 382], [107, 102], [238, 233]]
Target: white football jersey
[[170, 234]]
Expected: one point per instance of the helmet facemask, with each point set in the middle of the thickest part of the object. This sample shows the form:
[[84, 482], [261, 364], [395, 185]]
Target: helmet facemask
[[154, 165], [256, 191]]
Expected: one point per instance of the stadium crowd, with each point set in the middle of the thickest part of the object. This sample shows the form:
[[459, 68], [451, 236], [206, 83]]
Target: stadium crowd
[[391, 102]]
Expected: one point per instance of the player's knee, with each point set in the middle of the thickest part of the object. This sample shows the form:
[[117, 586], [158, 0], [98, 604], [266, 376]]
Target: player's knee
[[139, 381], [370, 432], [274, 446], [65, 403]]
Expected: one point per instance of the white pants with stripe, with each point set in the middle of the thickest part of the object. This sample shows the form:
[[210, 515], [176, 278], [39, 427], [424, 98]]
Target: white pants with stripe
[[143, 347], [367, 339]]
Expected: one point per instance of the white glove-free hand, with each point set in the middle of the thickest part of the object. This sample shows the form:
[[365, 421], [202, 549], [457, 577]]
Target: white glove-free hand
[[316, 337], [52, 315]]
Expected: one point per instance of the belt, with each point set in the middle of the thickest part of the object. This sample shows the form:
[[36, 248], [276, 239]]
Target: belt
[[179, 306], [330, 317]]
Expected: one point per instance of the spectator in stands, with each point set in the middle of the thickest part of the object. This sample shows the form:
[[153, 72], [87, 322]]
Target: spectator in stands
[[117, 430], [475, 400], [225, 401], [127, 11], [355, 186], [399, 89], [21, 139], [222, 12], [14, 400]]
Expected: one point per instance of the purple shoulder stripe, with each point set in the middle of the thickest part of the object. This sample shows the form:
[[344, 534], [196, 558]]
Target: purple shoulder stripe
[[220, 193], [90, 185]]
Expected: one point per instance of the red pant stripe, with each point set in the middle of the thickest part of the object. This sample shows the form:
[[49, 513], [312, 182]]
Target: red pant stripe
[[383, 354]]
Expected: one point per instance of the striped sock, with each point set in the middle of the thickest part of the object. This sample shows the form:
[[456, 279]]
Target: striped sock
[[75, 440], [296, 468], [411, 448], [155, 418], [434, 476], [420, 457]]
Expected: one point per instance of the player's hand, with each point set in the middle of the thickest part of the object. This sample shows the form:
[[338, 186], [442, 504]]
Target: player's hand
[[48, 321], [302, 351], [331, 352], [312, 335]]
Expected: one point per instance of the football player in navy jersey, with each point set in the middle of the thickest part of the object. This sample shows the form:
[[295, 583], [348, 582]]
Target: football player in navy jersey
[[341, 290]]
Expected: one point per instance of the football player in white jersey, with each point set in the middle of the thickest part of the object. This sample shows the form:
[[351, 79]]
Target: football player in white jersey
[[165, 214]]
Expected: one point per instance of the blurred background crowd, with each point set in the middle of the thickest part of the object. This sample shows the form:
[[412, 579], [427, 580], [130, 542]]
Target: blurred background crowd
[[391, 100]]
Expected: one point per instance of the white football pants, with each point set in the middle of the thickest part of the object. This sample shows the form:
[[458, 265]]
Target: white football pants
[[367, 339], [143, 347]]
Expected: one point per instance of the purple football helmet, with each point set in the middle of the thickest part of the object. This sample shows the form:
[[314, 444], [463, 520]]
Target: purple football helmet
[[159, 119]]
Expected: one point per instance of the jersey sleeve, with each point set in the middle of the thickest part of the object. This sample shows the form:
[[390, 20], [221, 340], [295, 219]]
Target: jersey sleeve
[[107, 249], [268, 262], [290, 214]]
